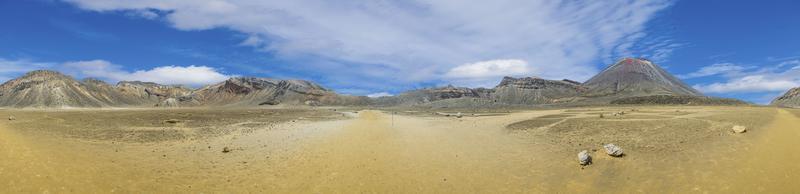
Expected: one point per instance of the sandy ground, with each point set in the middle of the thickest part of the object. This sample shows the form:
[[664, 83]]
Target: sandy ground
[[668, 149]]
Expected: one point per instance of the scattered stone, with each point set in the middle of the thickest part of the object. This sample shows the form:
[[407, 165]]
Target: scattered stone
[[172, 121], [458, 115], [226, 150], [739, 129], [11, 118], [584, 158], [613, 150], [602, 116]]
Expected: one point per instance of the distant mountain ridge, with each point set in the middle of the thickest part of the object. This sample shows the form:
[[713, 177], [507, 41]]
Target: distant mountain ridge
[[51, 89], [625, 79]]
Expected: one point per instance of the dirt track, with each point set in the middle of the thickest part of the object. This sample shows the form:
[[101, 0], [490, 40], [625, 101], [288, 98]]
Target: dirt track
[[385, 153]]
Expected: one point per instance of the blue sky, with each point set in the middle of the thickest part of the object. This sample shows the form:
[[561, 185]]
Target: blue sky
[[741, 49]]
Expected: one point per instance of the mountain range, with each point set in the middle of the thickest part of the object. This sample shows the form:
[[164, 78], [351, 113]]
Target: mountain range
[[628, 78]]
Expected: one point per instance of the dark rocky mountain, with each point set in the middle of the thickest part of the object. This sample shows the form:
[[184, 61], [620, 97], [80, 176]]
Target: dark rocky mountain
[[789, 99], [636, 77]]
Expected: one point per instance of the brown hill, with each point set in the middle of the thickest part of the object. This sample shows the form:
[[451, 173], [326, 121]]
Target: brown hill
[[50, 89], [789, 99], [250, 91]]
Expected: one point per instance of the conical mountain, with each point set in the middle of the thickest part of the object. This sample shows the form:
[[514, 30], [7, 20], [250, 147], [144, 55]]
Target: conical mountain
[[636, 77], [789, 99]]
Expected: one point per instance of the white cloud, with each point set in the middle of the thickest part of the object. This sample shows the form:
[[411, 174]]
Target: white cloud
[[739, 80], [487, 73], [715, 69], [10, 69], [414, 41], [180, 75], [143, 13], [492, 68], [379, 94], [749, 84]]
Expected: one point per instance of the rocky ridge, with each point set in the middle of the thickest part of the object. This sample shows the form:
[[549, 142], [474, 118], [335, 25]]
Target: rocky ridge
[[789, 99]]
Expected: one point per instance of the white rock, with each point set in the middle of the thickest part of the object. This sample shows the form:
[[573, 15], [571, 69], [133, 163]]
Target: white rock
[[739, 129], [11, 118], [613, 150], [584, 158]]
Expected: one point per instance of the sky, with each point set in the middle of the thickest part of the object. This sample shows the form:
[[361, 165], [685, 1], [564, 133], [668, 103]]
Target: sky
[[739, 49]]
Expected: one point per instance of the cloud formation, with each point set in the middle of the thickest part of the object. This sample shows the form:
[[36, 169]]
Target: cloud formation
[[728, 69], [742, 79], [484, 73], [416, 41], [379, 94], [9, 68], [172, 75]]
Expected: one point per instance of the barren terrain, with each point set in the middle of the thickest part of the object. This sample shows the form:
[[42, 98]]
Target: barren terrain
[[672, 149]]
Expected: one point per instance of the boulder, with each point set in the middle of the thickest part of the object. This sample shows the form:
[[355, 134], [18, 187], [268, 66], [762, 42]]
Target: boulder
[[169, 102], [11, 118], [613, 150], [739, 129], [584, 158]]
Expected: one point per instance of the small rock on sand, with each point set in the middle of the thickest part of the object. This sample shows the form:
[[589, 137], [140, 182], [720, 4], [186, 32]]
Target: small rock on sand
[[11, 118], [613, 150], [226, 150], [584, 158], [739, 129]]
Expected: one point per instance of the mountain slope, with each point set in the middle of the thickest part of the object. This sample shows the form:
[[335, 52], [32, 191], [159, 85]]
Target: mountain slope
[[636, 77], [50, 89], [789, 99]]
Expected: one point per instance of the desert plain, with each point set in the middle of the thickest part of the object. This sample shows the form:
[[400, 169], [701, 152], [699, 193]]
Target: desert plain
[[672, 149]]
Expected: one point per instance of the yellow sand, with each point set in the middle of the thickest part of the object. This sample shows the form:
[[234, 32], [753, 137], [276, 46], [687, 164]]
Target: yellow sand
[[377, 152]]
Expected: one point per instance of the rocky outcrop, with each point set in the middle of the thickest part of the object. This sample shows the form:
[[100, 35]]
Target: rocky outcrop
[[151, 90], [789, 99], [427, 95], [533, 90], [636, 77]]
